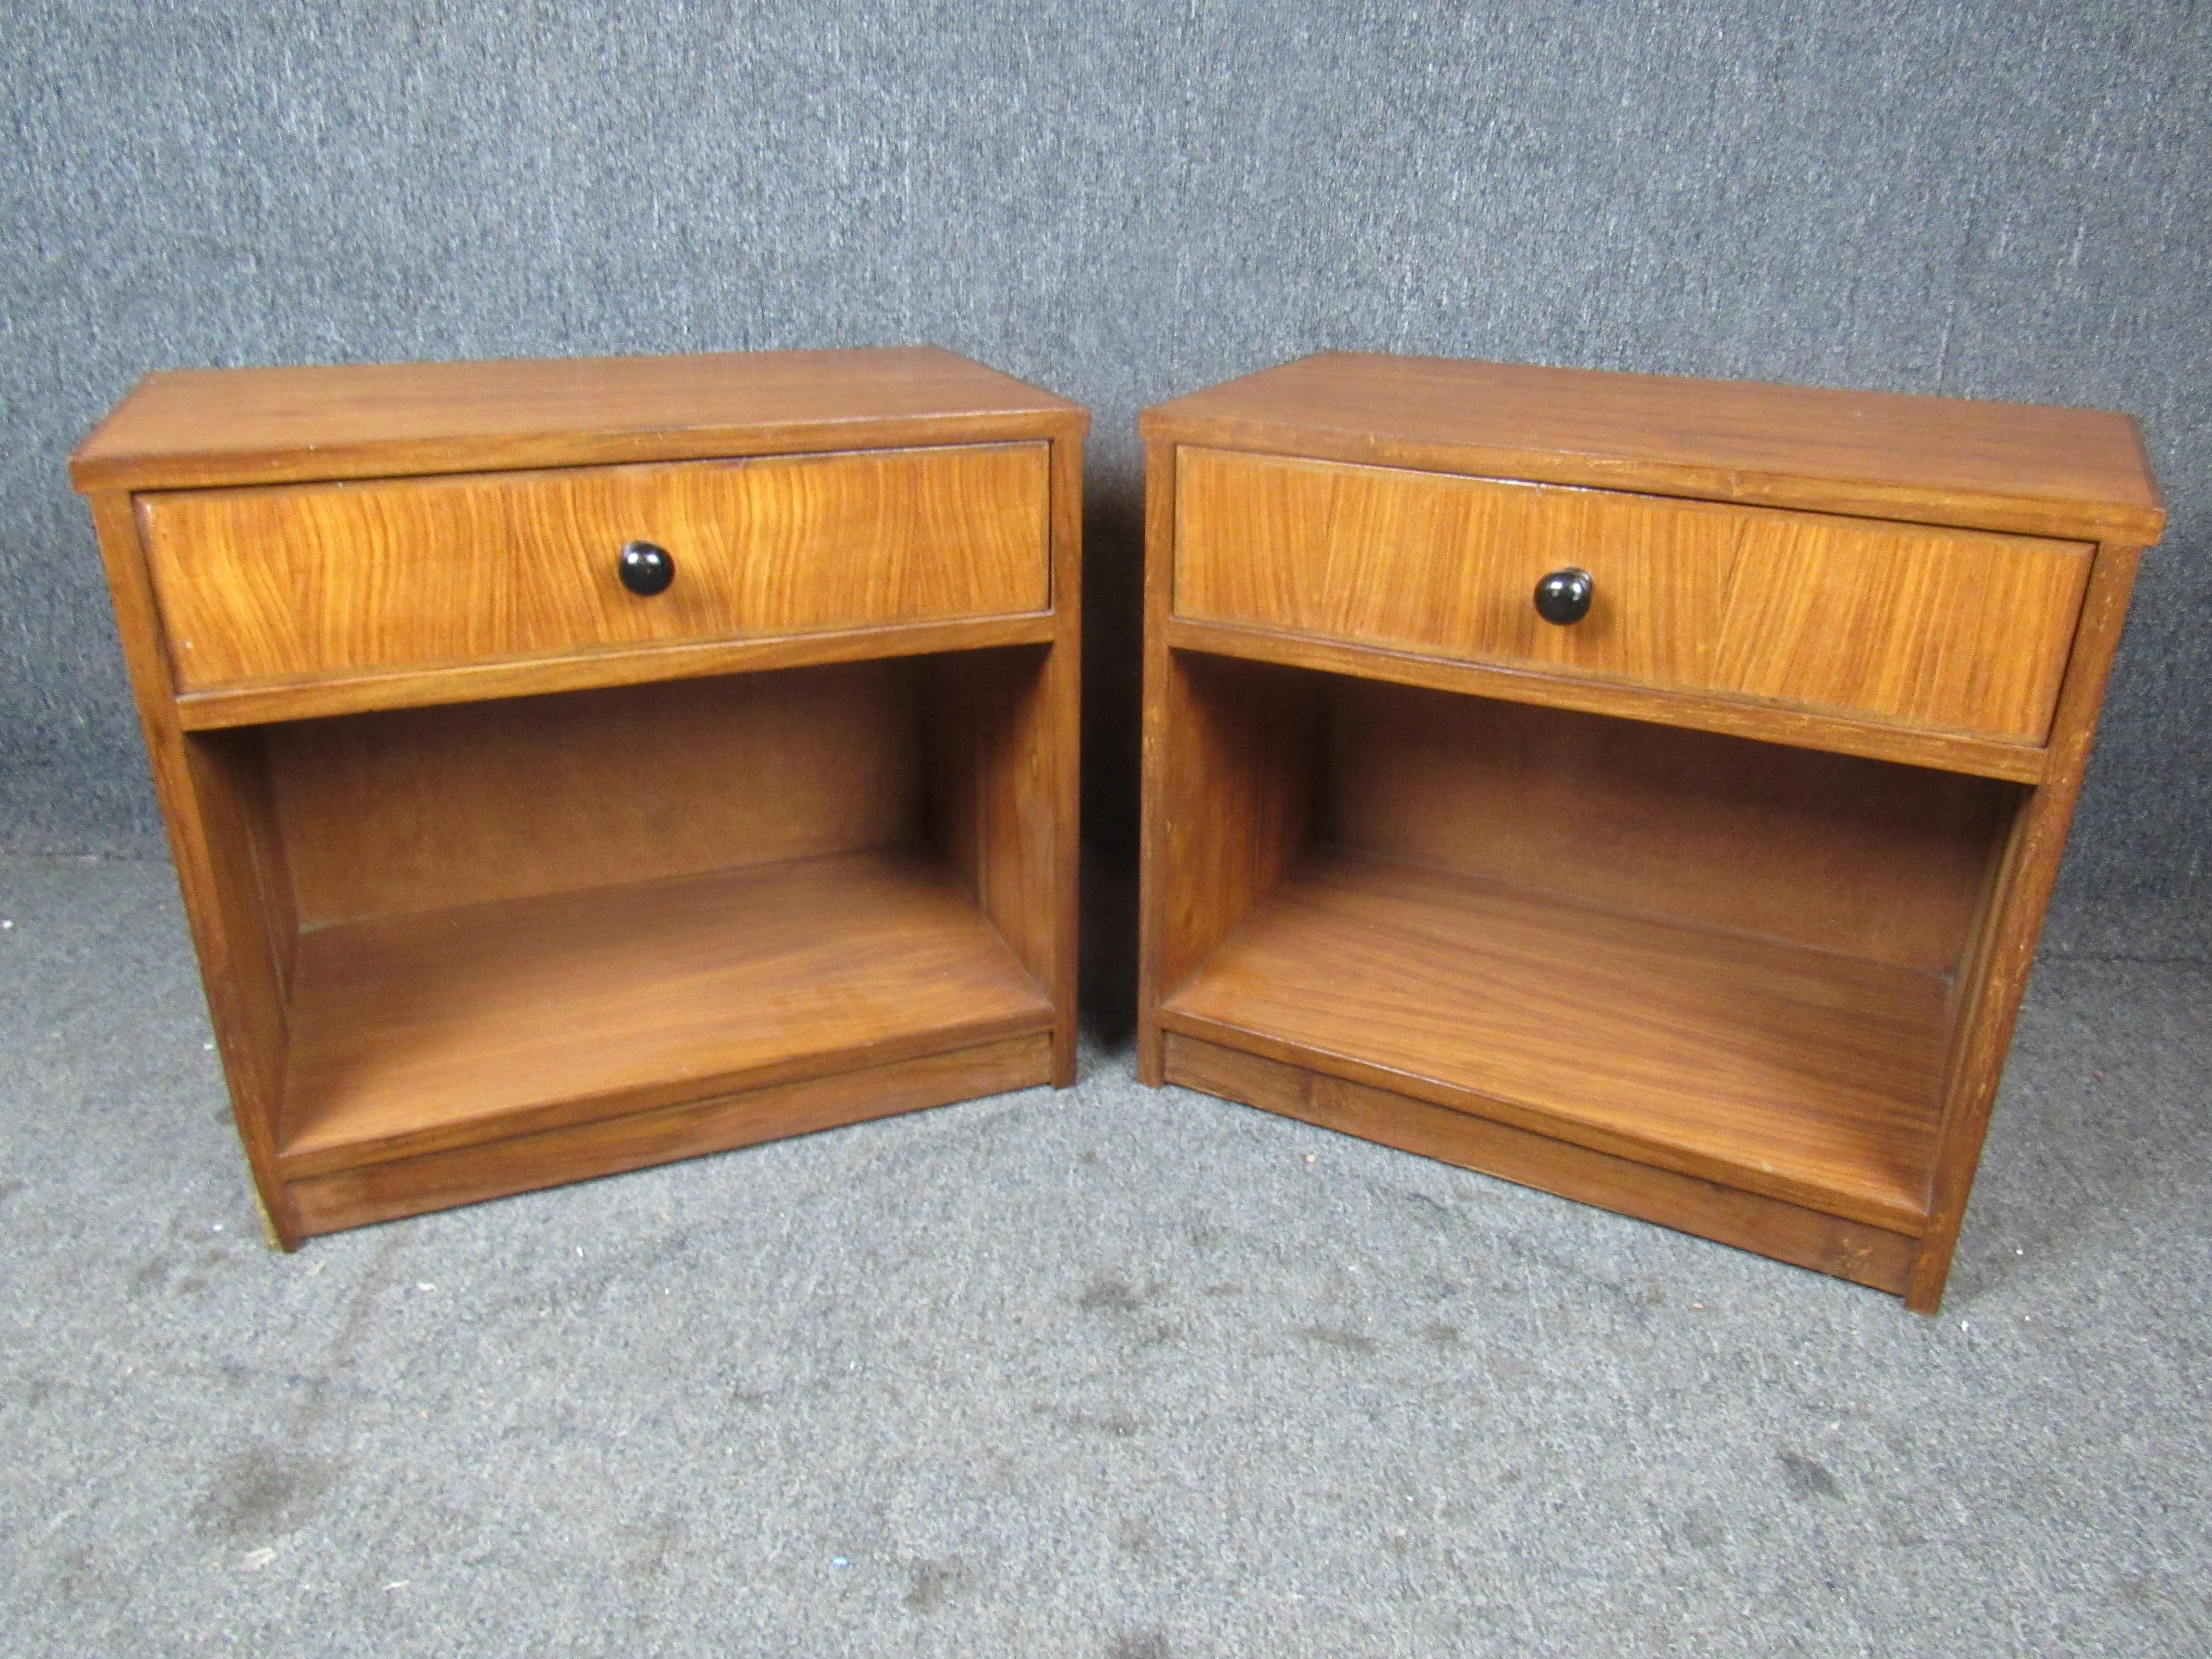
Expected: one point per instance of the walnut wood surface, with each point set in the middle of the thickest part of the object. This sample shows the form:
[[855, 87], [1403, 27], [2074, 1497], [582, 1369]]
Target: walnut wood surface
[[1948, 630], [1996, 975], [195, 427], [256, 837], [1657, 705], [1159, 885], [425, 809], [1867, 1255], [467, 1174], [1715, 1086], [208, 813], [1047, 781], [1241, 788], [1857, 857], [290, 581], [2079, 474], [425, 1031], [351, 693], [487, 938], [1805, 1076], [245, 956], [992, 795]]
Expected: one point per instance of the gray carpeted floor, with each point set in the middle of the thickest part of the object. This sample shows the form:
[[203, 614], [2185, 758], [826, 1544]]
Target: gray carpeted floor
[[1105, 1373]]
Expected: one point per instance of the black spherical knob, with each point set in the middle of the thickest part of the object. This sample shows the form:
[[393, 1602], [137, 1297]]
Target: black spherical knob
[[645, 570], [1563, 597]]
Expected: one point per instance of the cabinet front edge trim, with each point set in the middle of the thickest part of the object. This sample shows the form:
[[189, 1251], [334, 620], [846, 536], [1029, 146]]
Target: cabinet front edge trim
[[255, 705], [1661, 705]]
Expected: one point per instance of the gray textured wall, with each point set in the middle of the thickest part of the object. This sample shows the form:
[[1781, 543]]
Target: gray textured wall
[[1123, 202]]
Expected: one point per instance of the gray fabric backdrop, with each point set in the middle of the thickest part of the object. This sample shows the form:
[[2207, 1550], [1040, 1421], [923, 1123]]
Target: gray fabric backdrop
[[1123, 202]]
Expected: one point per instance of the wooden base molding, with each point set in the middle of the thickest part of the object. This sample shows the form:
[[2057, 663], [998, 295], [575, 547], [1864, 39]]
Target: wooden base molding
[[1867, 1255], [609, 1146]]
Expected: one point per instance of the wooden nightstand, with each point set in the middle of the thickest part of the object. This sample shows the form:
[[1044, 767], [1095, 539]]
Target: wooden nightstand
[[575, 766], [1709, 899]]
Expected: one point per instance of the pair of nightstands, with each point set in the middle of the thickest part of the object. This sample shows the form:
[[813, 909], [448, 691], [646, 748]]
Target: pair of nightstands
[[1643, 789]]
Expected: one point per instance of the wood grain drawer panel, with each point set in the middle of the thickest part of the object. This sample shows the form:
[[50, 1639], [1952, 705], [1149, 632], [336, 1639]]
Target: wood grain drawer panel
[[1947, 630], [297, 581]]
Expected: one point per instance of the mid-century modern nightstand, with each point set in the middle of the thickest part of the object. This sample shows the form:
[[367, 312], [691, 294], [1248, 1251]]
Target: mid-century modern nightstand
[[574, 766], [1644, 789]]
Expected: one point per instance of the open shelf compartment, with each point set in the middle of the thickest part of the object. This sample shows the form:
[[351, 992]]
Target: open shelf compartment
[[712, 909], [1696, 953], [415, 1033], [1808, 1077]]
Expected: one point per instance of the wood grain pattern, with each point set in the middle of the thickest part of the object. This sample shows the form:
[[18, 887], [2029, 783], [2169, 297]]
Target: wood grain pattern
[[271, 887], [1952, 630], [1996, 975], [280, 583], [243, 961], [1155, 882], [1867, 1255], [1240, 784], [193, 428], [1831, 574], [1054, 787], [1862, 858], [210, 819], [425, 809], [991, 779], [468, 1175], [1006, 778], [2078, 474], [649, 882], [1654, 705], [1804, 1076], [454, 682], [420, 1032]]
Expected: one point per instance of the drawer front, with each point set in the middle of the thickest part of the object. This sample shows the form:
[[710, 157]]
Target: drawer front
[[301, 581], [1952, 630]]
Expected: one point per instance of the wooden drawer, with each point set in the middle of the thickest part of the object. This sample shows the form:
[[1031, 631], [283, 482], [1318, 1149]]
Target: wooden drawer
[[304, 581], [1949, 629]]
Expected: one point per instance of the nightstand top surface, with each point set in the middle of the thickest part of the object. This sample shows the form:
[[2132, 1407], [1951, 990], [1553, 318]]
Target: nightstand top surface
[[186, 429], [2030, 467]]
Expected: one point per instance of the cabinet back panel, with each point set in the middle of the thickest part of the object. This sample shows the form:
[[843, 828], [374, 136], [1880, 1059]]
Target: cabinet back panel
[[1867, 858], [412, 810]]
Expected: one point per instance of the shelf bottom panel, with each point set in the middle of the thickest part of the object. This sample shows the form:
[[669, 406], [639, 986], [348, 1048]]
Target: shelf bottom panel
[[1766, 1067], [417, 1033]]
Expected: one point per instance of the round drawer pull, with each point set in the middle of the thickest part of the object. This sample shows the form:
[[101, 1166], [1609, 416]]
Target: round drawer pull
[[645, 570], [1563, 597]]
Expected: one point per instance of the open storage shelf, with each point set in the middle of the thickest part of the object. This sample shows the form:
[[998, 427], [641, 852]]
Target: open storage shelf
[[1618, 945], [420, 1032], [609, 926], [579, 764], [1645, 789], [1810, 1076]]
